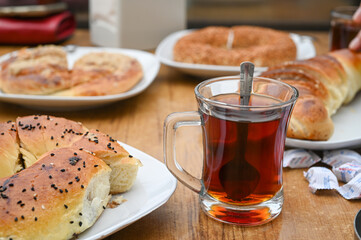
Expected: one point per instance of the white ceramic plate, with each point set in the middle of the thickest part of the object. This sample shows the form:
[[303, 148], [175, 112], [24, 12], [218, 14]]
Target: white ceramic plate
[[164, 52], [149, 62], [153, 187], [347, 132]]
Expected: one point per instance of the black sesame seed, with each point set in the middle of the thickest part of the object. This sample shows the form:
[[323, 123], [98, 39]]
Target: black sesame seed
[[32, 189], [61, 190], [22, 217], [70, 183], [80, 223], [11, 185], [22, 205], [50, 177], [79, 169], [66, 206], [52, 154], [43, 165], [130, 156], [81, 186], [2, 133], [24, 190], [57, 144], [51, 137], [96, 165], [52, 185], [74, 160], [103, 207], [16, 219], [71, 222], [35, 198], [62, 170], [75, 154], [33, 209], [80, 149], [62, 136], [80, 214], [4, 196], [36, 219], [66, 190], [19, 202]]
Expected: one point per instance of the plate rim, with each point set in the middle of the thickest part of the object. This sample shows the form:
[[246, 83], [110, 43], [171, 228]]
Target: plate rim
[[119, 226]]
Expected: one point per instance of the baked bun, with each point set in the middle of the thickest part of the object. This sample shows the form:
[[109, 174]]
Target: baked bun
[[124, 166], [40, 134], [232, 46], [325, 82], [9, 150], [58, 197], [102, 73], [42, 70]]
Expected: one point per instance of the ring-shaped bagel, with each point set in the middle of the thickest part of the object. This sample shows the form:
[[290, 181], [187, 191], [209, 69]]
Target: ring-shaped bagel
[[231, 46]]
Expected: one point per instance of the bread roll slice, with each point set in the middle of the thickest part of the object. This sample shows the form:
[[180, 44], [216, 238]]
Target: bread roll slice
[[58, 197], [10, 162], [124, 166], [39, 134]]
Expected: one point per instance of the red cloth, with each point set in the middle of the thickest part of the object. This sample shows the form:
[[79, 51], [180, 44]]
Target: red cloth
[[31, 31]]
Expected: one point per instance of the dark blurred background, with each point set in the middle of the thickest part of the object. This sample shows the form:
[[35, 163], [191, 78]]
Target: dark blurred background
[[280, 14]]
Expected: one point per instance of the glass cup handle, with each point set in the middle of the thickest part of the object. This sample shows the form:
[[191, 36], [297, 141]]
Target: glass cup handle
[[171, 124]]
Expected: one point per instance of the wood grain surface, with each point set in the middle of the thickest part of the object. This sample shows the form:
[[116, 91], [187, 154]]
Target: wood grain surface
[[138, 121]]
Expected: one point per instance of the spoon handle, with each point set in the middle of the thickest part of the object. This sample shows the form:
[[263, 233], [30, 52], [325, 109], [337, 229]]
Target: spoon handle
[[246, 79]]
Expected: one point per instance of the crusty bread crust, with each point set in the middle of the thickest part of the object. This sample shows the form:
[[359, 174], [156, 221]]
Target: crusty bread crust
[[68, 167], [325, 82], [124, 166], [49, 199], [232, 46], [39, 134], [42, 70], [102, 73]]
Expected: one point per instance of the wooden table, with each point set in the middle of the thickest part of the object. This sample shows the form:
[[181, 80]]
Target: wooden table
[[139, 122]]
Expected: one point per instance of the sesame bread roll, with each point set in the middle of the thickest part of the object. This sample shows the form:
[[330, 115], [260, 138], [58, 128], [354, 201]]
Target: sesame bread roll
[[59, 196], [39, 134], [124, 166]]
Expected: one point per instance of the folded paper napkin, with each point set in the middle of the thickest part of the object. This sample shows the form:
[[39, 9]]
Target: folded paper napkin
[[32, 31], [345, 164]]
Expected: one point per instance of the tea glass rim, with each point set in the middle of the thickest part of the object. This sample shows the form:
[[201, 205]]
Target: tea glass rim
[[282, 104], [344, 12]]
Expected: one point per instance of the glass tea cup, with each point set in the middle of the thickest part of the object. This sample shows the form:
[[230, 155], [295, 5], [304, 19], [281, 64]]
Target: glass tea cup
[[243, 148], [343, 28]]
